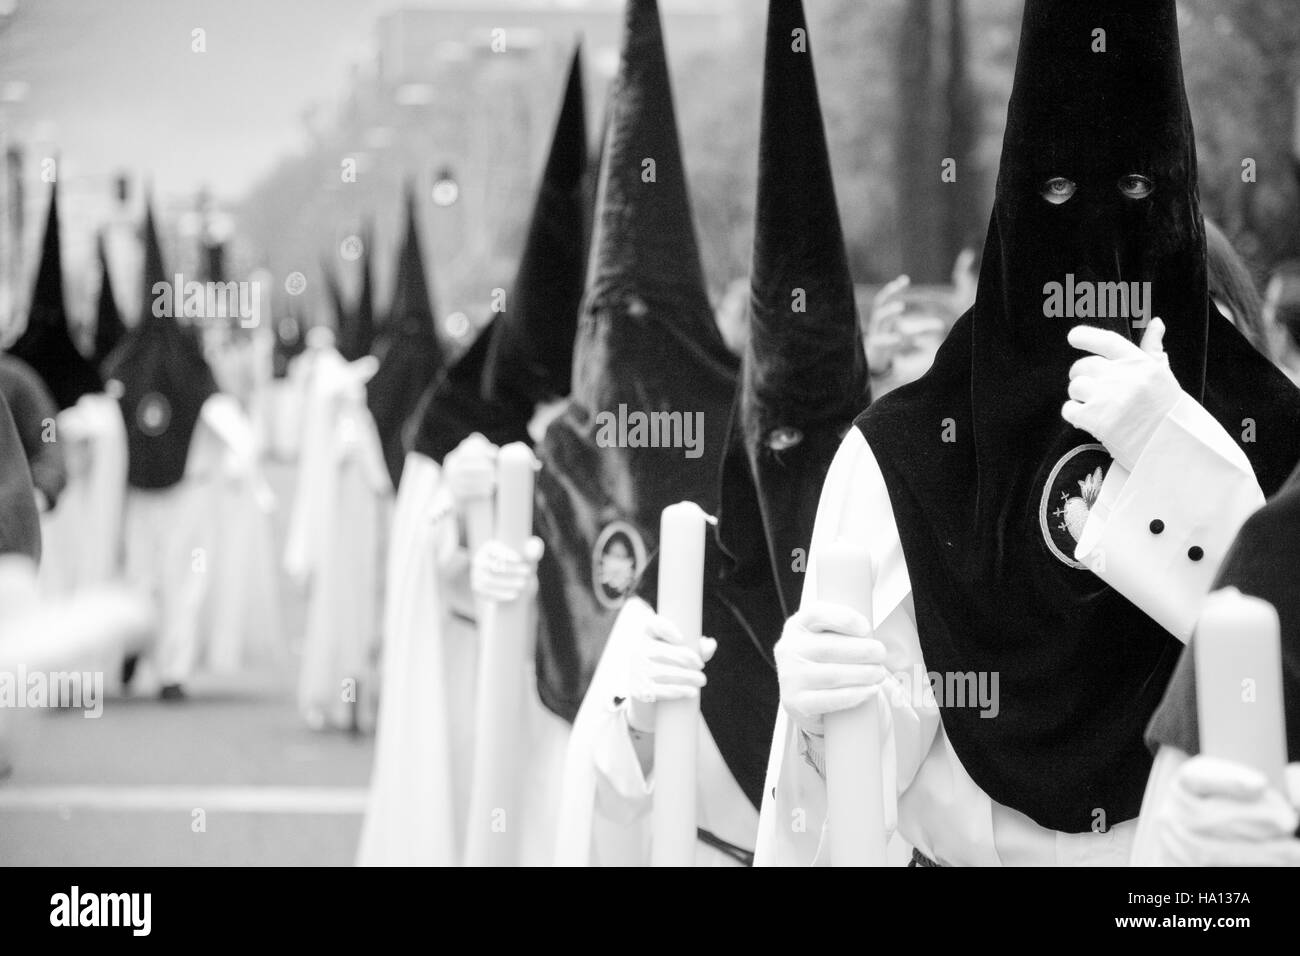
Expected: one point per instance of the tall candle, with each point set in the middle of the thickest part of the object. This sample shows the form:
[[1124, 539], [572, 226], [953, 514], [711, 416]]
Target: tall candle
[[495, 797], [1239, 683], [854, 788], [681, 596]]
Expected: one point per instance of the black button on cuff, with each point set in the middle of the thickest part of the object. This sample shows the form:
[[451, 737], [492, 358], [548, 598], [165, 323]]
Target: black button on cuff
[[1195, 553], [1157, 526]]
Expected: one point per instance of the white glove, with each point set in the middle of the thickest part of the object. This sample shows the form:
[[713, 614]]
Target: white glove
[[1121, 393], [662, 668], [500, 573], [1220, 813], [827, 660], [471, 469]]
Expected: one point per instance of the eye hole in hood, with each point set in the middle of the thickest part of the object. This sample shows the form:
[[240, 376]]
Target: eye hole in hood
[[1058, 190], [1135, 186]]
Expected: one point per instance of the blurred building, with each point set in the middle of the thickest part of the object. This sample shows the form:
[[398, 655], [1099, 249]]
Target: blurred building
[[460, 95]]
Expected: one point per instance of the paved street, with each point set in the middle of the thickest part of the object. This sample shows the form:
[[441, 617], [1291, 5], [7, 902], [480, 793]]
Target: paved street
[[123, 789]]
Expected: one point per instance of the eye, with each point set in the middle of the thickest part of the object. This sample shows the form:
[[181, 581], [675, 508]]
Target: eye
[[1136, 187], [1058, 189], [779, 439]]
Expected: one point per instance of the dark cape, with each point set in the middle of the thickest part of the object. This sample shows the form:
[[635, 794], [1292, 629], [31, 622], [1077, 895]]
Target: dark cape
[[996, 588], [647, 342], [163, 382], [412, 353], [20, 525], [1263, 562], [46, 343], [803, 379], [525, 354], [110, 330]]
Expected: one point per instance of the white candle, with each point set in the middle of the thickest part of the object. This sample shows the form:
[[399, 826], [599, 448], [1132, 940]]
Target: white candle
[[1239, 683], [854, 790], [681, 596], [495, 798]]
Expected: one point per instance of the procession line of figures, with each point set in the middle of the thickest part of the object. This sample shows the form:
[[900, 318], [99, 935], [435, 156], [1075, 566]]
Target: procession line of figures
[[1007, 559]]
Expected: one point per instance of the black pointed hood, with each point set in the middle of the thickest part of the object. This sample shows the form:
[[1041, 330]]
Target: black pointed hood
[[338, 309], [454, 408], [46, 344], [361, 337], [163, 378], [412, 355], [525, 355], [110, 330], [531, 351], [214, 261], [1097, 184], [20, 525], [647, 345], [803, 380]]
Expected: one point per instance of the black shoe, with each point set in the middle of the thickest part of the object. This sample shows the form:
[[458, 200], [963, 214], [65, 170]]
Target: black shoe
[[171, 692], [128, 669]]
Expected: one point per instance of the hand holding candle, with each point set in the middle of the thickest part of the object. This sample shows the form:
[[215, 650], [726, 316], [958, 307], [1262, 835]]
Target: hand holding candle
[[854, 789], [681, 596], [492, 839]]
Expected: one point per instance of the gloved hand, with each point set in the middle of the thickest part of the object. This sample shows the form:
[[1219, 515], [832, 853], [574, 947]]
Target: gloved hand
[[1220, 813], [471, 469], [827, 660], [500, 573], [1121, 393], [663, 668]]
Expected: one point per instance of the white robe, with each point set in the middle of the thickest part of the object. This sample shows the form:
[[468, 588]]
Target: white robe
[[336, 539], [928, 796], [606, 799], [423, 743], [82, 535], [241, 615]]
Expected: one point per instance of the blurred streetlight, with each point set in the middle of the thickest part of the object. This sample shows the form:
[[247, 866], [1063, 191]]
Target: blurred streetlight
[[445, 188]]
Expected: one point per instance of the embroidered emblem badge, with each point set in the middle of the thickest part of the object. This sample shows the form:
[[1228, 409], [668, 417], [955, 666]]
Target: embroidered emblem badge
[[1068, 496], [617, 560]]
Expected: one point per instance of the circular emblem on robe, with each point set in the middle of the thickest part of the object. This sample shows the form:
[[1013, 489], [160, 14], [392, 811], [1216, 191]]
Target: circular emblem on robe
[[617, 560], [1068, 496], [153, 414]]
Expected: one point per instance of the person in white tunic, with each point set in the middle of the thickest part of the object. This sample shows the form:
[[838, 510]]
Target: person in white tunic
[[336, 541], [1046, 508], [502, 389], [803, 380]]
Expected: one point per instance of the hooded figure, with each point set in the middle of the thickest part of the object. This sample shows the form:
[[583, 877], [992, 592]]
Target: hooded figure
[[185, 445], [164, 382], [652, 380], [109, 327], [424, 751], [1026, 551], [20, 525], [46, 344], [357, 327], [413, 355], [803, 379]]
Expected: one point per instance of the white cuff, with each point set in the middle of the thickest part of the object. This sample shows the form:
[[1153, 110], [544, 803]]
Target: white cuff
[[1158, 535]]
